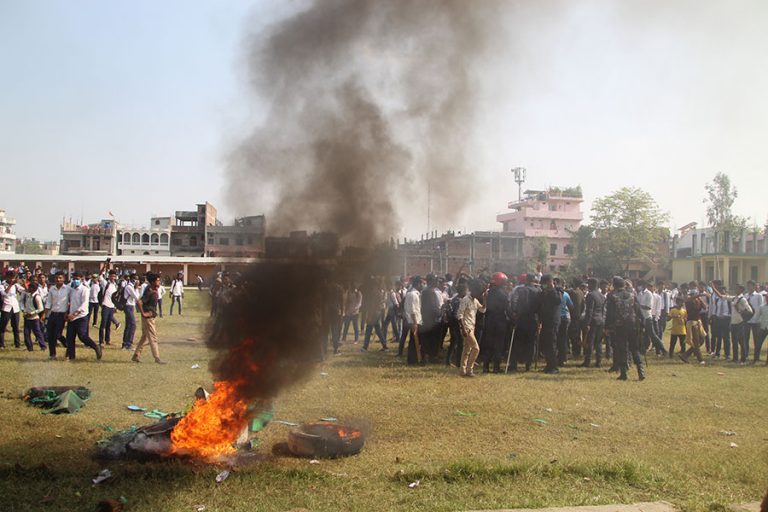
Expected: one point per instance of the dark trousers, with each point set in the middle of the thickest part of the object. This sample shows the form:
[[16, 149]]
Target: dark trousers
[[738, 342], [130, 326], [78, 328], [354, 321], [55, 327], [547, 339], [758, 337], [575, 334], [562, 341], [107, 318], [369, 328], [33, 327], [334, 330], [594, 343], [626, 343], [429, 338], [674, 340], [160, 307], [708, 336], [523, 344], [13, 318], [93, 312], [413, 354], [456, 346], [662, 324], [175, 300], [652, 337], [391, 319], [721, 335]]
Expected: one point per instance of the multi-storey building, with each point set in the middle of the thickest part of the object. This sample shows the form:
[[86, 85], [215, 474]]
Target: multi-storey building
[[188, 231], [152, 241], [98, 239], [7, 234], [547, 220], [245, 238]]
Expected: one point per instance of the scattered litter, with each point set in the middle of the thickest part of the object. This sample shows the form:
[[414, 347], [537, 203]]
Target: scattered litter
[[105, 427], [548, 409], [727, 433], [261, 421], [222, 476], [594, 425], [720, 373], [414, 485], [156, 414], [289, 423], [57, 436], [323, 374], [199, 508], [253, 443], [717, 406], [314, 461], [201, 394], [136, 408], [191, 339], [58, 399], [466, 413], [574, 427], [330, 418], [104, 474], [512, 456], [123, 500], [195, 366], [734, 445], [540, 421], [587, 479]]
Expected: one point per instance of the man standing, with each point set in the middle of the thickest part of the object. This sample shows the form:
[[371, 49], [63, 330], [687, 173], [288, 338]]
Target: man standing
[[431, 315], [56, 310], [131, 295], [620, 324], [496, 325], [577, 327], [199, 282], [147, 305], [525, 305], [353, 300], [412, 320], [32, 307], [737, 305], [10, 291], [566, 306], [756, 300], [645, 301], [720, 310], [550, 303], [375, 307], [393, 310], [693, 327], [177, 292], [108, 308], [78, 317], [466, 314], [93, 299], [594, 317]]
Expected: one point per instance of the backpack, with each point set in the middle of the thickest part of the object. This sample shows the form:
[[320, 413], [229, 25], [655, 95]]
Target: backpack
[[747, 313], [102, 291], [625, 308], [453, 306], [119, 299]]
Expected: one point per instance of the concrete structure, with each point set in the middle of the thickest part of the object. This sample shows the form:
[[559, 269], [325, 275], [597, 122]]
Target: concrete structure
[[98, 239], [470, 253], [49, 248], [7, 234], [703, 254], [188, 231], [152, 241], [243, 239], [550, 216]]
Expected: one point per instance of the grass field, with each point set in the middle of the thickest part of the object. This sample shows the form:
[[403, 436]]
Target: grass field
[[601, 441]]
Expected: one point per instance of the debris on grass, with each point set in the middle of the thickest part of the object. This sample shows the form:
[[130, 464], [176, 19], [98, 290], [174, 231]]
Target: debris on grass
[[222, 476], [414, 485], [329, 419], [314, 461], [720, 374], [323, 374], [734, 445], [288, 423], [199, 508], [105, 427], [727, 433], [594, 425], [104, 474], [157, 414], [548, 409], [718, 406], [540, 421], [136, 408], [467, 413], [194, 366]]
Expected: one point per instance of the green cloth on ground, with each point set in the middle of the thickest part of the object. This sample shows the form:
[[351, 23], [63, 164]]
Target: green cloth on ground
[[260, 421], [156, 414], [67, 402]]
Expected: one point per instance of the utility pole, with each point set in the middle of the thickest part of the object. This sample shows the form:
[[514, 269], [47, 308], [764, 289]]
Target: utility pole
[[519, 173], [429, 204]]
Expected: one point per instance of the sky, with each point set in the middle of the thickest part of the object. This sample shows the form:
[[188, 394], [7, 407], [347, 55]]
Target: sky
[[134, 107]]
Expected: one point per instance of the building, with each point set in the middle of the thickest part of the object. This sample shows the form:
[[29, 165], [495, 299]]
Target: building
[[302, 245], [245, 238], [98, 239], [7, 234], [152, 241], [547, 220], [188, 230], [704, 254], [471, 253], [33, 246]]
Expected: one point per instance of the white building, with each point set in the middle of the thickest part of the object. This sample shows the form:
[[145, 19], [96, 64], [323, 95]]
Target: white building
[[152, 241], [7, 234]]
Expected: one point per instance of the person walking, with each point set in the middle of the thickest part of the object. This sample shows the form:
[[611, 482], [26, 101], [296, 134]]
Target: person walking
[[177, 293], [756, 302], [77, 319], [10, 291], [412, 321], [32, 305], [694, 327], [147, 306], [353, 301], [679, 317], [466, 315], [130, 295], [621, 325], [56, 310], [94, 289], [594, 317], [525, 306], [109, 288]]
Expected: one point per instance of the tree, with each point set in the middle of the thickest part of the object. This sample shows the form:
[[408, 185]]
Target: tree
[[540, 252], [721, 196], [628, 226]]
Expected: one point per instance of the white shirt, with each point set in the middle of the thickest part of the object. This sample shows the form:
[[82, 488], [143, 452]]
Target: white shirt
[[412, 307], [93, 298], [656, 306], [78, 301], [738, 305], [130, 294], [43, 291], [10, 297], [645, 300], [142, 289], [177, 288], [58, 299], [467, 313], [110, 288], [721, 307], [160, 292], [756, 300]]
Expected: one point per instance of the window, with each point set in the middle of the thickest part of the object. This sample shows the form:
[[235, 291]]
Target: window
[[145, 239], [553, 249], [136, 239], [568, 250], [552, 207], [193, 241], [223, 241], [164, 239], [157, 222], [553, 225], [126, 238], [239, 240], [155, 239]]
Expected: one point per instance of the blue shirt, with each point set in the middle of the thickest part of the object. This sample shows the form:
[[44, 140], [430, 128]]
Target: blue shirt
[[564, 304]]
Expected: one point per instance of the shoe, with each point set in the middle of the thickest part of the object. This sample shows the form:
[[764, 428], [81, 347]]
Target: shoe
[[52, 358], [135, 358], [98, 353], [641, 377], [383, 349], [682, 358], [551, 371], [468, 375], [160, 361], [623, 376], [44, 347], [363, 350], [702, 363], [613, 369]]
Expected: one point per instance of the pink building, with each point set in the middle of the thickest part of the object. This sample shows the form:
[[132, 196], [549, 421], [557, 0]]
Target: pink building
[[546, 217]]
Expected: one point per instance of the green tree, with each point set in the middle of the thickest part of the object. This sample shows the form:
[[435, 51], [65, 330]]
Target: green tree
[[721, 195], [540, 252], [627, 226], [29, 247]]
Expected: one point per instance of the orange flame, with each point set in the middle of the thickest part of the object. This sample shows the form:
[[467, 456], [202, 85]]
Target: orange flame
[[212, 425]]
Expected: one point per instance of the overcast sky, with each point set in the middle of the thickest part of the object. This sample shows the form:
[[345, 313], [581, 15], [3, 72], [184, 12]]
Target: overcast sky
[[132, 107]]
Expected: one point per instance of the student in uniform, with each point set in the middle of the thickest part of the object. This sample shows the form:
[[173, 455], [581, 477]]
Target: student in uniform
[[679, 316], [93, 299], [131, 295], [10, 291], [77, 319], [109, 286], [177, 292], [32, 305]]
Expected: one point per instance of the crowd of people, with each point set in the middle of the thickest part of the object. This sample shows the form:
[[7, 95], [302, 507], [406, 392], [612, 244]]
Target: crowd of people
[[494, 322], [59, 311]]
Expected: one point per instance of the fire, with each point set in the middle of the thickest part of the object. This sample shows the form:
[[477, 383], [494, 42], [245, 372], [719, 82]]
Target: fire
[[351, 434], [212, 425]]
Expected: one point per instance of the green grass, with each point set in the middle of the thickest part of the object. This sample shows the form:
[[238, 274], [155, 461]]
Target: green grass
[[658, 439]]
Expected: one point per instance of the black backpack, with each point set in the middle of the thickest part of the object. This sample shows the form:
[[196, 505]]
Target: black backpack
[[625, 308], [119, 299]]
